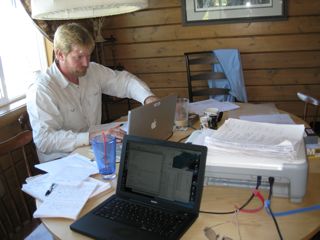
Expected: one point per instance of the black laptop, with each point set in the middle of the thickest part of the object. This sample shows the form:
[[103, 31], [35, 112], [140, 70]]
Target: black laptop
[[158, 192]]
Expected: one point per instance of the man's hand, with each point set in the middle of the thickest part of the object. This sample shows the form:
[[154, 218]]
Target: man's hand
[[115, 131], [150, 99]]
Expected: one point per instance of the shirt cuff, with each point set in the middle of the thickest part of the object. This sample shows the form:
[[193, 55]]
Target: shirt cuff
[[82, 139], [143, 95]]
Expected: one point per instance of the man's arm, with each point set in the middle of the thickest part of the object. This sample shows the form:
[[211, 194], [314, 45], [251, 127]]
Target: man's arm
[[46, 122], [123, 84], [151, 99]]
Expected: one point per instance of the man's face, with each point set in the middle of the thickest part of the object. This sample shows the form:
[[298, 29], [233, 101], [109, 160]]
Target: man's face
[[76, 62]]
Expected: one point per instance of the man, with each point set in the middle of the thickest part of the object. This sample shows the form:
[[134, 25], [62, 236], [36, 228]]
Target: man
[[65, 101]]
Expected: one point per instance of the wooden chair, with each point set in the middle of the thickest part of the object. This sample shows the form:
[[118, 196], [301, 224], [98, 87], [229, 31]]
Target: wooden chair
[[199, 71], [110, 104], [17, 154], [24, 121], [311, 111]]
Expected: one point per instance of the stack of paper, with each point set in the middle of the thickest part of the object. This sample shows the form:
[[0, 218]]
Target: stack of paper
[[245, 143], [66, 187]]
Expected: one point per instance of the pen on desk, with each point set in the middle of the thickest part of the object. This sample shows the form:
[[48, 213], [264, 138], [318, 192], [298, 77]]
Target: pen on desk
[[50, 189]]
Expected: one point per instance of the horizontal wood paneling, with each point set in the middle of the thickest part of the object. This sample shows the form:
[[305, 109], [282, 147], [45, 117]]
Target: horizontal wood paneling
[[294, 25], [279, 58], [306, 59], [274, 77], [282, 43], [279, 93], [293, 76]]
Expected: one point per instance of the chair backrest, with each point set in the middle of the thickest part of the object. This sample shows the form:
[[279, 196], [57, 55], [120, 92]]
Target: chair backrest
[[24, 121], [17, 154], [311, 110], [113, 108], [199, 71]]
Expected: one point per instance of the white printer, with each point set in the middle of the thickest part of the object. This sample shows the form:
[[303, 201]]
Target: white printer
[[264, 150]]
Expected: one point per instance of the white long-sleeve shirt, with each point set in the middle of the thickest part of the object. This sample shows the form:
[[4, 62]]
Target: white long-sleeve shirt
[[61, 112]]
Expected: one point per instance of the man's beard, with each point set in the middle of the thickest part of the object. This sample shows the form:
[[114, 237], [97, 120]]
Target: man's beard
[[81, 73]]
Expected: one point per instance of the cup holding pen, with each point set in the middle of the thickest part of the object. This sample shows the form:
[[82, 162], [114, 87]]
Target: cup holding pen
[[104, 149]]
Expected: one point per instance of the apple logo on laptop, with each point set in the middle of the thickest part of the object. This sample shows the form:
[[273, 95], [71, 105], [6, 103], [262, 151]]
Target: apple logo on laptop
[[154, 124]]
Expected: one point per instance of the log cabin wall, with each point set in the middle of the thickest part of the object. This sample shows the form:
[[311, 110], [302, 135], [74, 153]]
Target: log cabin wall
[[279, 58]]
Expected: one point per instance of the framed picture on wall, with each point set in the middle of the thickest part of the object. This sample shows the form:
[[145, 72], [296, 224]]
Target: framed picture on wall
[[197, 12]]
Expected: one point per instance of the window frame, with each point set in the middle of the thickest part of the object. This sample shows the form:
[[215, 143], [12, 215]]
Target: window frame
[[5, 100]]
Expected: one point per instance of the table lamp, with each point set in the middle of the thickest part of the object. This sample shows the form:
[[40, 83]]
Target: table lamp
[[79, 9]]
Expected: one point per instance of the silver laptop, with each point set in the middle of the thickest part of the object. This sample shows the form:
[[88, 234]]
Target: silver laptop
[[154, 120], [158, 193]]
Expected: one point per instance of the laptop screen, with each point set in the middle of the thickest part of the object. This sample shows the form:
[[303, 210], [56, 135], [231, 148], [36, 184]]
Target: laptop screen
[[163, 171]]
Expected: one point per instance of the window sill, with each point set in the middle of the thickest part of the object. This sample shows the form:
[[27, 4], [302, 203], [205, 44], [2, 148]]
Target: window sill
[[11, 112]]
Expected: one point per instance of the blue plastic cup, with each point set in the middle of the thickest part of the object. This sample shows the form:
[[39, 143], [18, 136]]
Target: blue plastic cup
[[104, 149]]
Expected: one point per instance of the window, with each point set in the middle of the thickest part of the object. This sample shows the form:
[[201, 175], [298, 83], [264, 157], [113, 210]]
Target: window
[[22, 51]]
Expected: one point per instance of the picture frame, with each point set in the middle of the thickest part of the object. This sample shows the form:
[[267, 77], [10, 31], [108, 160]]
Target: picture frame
[[196, 12]]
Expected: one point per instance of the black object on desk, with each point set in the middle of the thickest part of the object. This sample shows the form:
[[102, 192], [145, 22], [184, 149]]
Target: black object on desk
[[155, 179], [311, 137], [50, 189]]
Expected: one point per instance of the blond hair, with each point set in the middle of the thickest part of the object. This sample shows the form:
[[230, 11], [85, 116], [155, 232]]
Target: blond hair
[[71, 34]]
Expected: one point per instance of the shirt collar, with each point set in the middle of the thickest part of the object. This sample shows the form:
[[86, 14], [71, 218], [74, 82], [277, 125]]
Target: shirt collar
[[60, 78]]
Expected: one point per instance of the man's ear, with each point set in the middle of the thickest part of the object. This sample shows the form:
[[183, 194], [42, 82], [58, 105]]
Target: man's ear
[[59, 55]]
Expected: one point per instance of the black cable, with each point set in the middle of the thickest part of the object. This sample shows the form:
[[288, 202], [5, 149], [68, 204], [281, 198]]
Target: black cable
[[275, 222], [169, 136], [271, 182], [252, 195], [243, 206], [181, 139]]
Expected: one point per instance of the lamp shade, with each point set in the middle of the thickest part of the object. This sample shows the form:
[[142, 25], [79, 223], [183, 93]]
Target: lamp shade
[[78, 9]]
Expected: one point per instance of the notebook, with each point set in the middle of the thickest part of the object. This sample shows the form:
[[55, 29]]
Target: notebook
[[155, 176], [154, 120]]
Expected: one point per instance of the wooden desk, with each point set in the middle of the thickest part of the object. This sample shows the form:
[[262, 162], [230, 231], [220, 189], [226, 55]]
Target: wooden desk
[[220, 199]]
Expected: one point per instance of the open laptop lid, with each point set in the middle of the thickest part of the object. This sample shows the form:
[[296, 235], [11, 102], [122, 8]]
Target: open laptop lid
[[154, 120], [162, 173]]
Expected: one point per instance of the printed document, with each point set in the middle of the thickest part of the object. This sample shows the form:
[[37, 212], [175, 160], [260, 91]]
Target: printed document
[[77, 160], [65, 201], [200, 106], [251, 144], [37, 186]]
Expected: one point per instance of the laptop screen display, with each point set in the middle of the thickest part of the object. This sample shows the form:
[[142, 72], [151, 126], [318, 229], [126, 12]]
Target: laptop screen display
[[162, 172]]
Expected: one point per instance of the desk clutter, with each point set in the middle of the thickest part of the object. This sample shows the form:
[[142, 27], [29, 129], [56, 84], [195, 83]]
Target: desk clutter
[[241, 150], [65, 188]]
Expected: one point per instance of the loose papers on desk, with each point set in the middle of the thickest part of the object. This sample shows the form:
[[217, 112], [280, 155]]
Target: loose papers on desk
[[65, 201], [37, 186], [200, 106], [73, 186], [269, 118], [241, 143], [77, 160]]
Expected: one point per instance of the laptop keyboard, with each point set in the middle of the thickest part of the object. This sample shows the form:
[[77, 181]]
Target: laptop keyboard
[[142, 217]]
